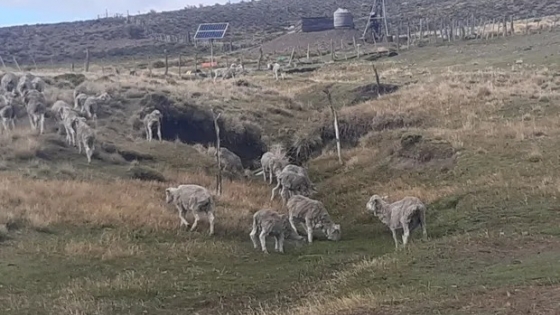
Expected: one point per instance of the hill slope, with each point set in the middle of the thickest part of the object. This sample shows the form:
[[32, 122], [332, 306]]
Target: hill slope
[[251, 22]]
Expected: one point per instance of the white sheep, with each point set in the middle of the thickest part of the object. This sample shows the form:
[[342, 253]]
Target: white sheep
[[92, 104], [9, 82], [272, 163], [269, 222], [194, 198], [312, 214], [151, 119], [7, 113], [38, 84], [85, 136], [79, 101], [230, 161], [276, 69], [406, 214], [293, 180], [68, 116], [36, 109], [24, 84]]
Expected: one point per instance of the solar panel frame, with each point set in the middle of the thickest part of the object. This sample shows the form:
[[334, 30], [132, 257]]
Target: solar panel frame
[[208, 31]]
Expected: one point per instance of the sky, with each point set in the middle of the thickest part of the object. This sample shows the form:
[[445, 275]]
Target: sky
[[17, 12]]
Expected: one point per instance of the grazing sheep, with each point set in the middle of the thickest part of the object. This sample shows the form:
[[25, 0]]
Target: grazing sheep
[[151, 119], [193, 198], [269, 222], [230, 161], [92, 103], [405, 214], [79, 101], [312, 215], [227, 73], [85, 136], [295, 169], [36, 109], [276, 69], [38, 84], [9, 82], [273, 163]]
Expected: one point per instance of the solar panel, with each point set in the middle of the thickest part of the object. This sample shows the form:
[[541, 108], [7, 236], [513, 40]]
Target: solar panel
[[211, 31]]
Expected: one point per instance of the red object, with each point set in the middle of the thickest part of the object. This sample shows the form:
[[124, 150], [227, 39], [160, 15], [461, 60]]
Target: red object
[[209, 64]]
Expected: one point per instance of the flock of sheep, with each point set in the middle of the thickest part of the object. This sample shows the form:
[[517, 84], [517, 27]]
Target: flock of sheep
[[293, 181], [236, 69], [29, 91], [295, 191]]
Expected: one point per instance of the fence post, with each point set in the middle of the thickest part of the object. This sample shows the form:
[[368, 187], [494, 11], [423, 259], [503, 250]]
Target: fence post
[[17, 64], [86, 65]]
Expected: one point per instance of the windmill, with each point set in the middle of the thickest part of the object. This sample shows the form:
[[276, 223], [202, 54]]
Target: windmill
[[377, 22]]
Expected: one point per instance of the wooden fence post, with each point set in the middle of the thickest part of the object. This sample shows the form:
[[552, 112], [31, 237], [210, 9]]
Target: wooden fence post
[[398, 39], [17, 64], [180, 61], [218, 155], [333, 56], [308, 48], [377, 80], [336, 131], [505, 26], [259, 63], [86, 65], [3, 64], [166, 62], [511, 26]]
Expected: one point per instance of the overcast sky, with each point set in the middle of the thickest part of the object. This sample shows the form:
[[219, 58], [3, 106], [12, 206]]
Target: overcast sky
[[15, 12]]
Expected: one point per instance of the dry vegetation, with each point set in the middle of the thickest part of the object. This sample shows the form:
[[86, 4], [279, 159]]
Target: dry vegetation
[[469, 131]]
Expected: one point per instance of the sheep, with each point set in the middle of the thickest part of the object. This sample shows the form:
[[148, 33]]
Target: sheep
[[405, 214], [292, 184], [9, 82], [269, 222], [91, 105], [38, 84], [85, 136], [68, 116], [312, 215], [226, 73], [7, 113], [24, 84], [79, 101], [193, 198], [273, 163], [151, 119], [230, 161], [276, 69], [36, 109]]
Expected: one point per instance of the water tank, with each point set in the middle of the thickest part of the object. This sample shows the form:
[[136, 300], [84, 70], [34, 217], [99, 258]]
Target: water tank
[[343, 19]]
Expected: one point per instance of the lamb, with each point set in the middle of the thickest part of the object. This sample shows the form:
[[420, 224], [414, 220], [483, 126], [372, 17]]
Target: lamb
[[85, 136], [312, 215], [9, 82], [272, 163], [151, 119], [405, 214], [36, 109], [7, 113], [68, 116], [269, 222], [92, 103], [193, 198], [276, 69]]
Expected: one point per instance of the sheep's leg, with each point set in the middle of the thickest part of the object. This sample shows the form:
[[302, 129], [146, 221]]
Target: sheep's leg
[[89, 152], [31, 121], [79, 146], [270, 174], [253, 235], [423, 222], [13, 121], [291, 219], [183, 220], [406, 234], [262, 237], [276, 243], [211, 222], [5, 125], [196, 219], [281, 243], [159, 131], [274, 191], [264, 173], [42, 123], [309, 229], [395, 239]]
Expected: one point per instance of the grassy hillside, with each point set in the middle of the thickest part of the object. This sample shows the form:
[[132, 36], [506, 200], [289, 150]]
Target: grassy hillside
[[250, 24], [472, 130]]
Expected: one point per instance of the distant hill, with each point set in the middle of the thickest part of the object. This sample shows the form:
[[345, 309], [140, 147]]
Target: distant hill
[[250, 23]]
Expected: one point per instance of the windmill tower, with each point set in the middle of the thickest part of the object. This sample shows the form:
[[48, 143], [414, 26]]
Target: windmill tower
[[377, 23]]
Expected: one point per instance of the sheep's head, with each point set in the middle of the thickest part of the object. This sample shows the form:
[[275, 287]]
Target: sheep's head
[[170, 194], [269, 66], [374, 204], [333, 232], [105, 96], [157, 114]]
